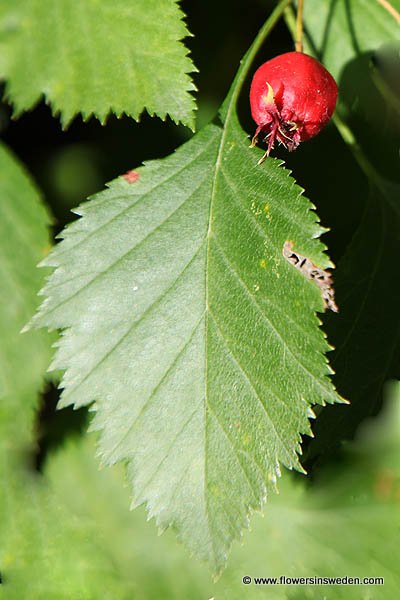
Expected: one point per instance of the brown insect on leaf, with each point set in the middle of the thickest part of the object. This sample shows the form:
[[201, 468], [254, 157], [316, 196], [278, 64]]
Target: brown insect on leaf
[[322, 278]]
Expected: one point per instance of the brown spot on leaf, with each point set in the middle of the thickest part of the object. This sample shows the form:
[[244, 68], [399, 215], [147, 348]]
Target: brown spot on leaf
[[131, 176], [322, 278]]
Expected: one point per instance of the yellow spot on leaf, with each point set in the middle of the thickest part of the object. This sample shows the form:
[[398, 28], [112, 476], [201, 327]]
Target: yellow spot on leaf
[[263, 263], [255, 209], [215, 490], [267, 211], [246, 439]]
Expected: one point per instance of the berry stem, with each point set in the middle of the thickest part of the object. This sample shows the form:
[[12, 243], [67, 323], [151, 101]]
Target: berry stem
[[245, 64], [349, 138], [299, 26]]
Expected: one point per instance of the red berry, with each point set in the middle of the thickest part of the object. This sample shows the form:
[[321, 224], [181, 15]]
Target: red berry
[[292, 97]]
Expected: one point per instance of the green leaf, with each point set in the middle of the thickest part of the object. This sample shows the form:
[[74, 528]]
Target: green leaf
[[24, 240], [47, 552], [340, 30], [95, 58], [194, 336]]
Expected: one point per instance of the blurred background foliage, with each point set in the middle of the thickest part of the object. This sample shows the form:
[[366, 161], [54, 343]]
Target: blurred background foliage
[[332, 528]]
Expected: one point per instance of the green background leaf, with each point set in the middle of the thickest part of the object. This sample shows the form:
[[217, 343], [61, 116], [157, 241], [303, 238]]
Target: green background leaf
[[342, 29], [94, 58], [24, 240], [44, 553], [365, 336]]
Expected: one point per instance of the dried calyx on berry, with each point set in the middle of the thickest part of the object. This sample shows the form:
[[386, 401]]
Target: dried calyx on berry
[[292, 97]]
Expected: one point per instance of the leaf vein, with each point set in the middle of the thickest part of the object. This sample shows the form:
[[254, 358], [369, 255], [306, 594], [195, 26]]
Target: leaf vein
[[135, 324], [154, 391], [236, 451]]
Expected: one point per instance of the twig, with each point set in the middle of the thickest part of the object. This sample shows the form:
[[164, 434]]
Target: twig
[[299, 26]]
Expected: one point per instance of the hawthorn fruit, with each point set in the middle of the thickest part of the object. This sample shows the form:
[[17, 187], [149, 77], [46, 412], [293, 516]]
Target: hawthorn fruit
[[292, 97]]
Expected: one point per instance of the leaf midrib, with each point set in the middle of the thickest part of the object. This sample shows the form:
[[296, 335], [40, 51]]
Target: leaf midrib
[[218, 163], [226, 113]]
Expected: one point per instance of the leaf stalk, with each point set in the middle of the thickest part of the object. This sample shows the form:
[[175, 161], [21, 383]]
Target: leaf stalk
[[248, 59]]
